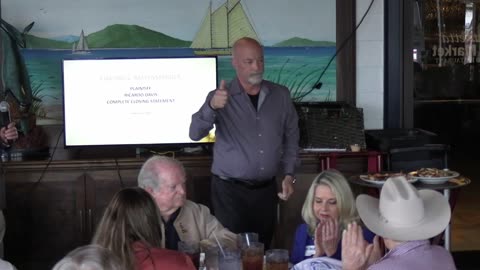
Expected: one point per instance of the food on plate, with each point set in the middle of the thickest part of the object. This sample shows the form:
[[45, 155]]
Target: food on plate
[[382, 176], [431, 172], [458, 181]]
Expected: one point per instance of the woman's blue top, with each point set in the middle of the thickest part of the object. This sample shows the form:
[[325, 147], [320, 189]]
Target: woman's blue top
[[304, 247]]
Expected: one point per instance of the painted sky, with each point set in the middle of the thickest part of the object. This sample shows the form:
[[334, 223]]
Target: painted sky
[[274, 20]]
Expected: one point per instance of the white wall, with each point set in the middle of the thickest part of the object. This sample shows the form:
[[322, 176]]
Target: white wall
[[370, 64]]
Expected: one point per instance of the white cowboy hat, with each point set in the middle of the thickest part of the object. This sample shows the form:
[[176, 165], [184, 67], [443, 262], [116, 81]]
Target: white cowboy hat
[[404, 213]]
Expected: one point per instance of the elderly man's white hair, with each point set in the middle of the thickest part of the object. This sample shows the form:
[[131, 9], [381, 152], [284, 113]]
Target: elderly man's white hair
[[150, 175], [89, 257]]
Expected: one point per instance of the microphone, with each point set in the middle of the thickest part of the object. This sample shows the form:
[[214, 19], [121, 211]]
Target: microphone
[[5, 118], [5, 113]]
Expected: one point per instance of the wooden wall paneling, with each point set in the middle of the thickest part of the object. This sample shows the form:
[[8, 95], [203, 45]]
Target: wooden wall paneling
[[352, 165], [43, 218], [198, 180], [47, 219], [101, 186]]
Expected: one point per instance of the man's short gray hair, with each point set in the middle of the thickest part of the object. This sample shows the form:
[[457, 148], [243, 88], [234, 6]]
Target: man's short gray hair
[[150, 175]]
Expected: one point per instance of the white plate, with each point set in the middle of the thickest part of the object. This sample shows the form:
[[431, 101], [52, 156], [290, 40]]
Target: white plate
[[436, 180], [381, 182]]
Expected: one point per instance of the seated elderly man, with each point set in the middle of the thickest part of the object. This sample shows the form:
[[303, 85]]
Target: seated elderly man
[[183, 220], [405, 218]]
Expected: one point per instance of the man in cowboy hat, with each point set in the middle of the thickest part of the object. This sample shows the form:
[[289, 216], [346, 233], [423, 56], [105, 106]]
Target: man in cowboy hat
[[405, 218]]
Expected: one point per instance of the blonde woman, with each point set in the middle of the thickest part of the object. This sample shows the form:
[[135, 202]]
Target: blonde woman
[[328, 208]]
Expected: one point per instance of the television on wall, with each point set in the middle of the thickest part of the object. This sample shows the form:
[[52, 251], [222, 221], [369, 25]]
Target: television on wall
[[134, 102]]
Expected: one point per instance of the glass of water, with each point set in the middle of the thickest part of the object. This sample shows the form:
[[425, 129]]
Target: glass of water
[[229, 260]]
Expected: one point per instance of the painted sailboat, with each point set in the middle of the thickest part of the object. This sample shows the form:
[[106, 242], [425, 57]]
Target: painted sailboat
[[221, 28], [81, 46]]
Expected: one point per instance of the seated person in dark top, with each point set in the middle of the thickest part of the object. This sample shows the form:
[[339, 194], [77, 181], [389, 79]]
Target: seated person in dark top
[[328, 208]]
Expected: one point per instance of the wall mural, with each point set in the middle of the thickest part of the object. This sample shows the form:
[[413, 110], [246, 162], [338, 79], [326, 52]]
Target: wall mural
[[299, 39]]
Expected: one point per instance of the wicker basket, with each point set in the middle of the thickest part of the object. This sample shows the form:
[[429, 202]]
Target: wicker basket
[[330, 125]]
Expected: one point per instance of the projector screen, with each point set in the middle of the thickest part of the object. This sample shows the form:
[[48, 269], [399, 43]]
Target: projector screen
[[146, 101]]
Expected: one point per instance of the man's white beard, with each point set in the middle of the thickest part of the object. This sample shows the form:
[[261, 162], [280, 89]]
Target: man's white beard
[[256, 78]]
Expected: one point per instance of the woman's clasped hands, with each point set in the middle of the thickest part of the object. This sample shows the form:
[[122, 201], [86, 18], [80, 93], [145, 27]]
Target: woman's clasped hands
[[326, 237]]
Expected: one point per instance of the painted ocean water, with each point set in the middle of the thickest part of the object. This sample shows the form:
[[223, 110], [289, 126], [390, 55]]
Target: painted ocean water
[[298, 68]]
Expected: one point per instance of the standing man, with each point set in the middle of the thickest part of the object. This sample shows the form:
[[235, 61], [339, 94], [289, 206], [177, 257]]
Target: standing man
[[256, 136], [183, 220]]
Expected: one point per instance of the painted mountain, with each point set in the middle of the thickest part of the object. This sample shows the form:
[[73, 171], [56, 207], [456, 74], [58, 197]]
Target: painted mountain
[[303, 42], [114, 36]]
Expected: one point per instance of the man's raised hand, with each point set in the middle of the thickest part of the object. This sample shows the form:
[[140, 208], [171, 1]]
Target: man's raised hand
[[220, 98], [355, 250]]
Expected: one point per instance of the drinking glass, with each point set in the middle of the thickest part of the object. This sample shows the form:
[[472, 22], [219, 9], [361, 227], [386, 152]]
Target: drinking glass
[[245, 238], [252, 256], [211, 257], [277, 259], [192, 249], [229, 260]]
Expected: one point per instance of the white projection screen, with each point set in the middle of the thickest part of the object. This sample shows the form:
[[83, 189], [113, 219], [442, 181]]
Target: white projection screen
[[148, 101]]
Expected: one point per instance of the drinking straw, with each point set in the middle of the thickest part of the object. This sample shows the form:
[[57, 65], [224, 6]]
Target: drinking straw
[[219, 245], [248, 239]]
